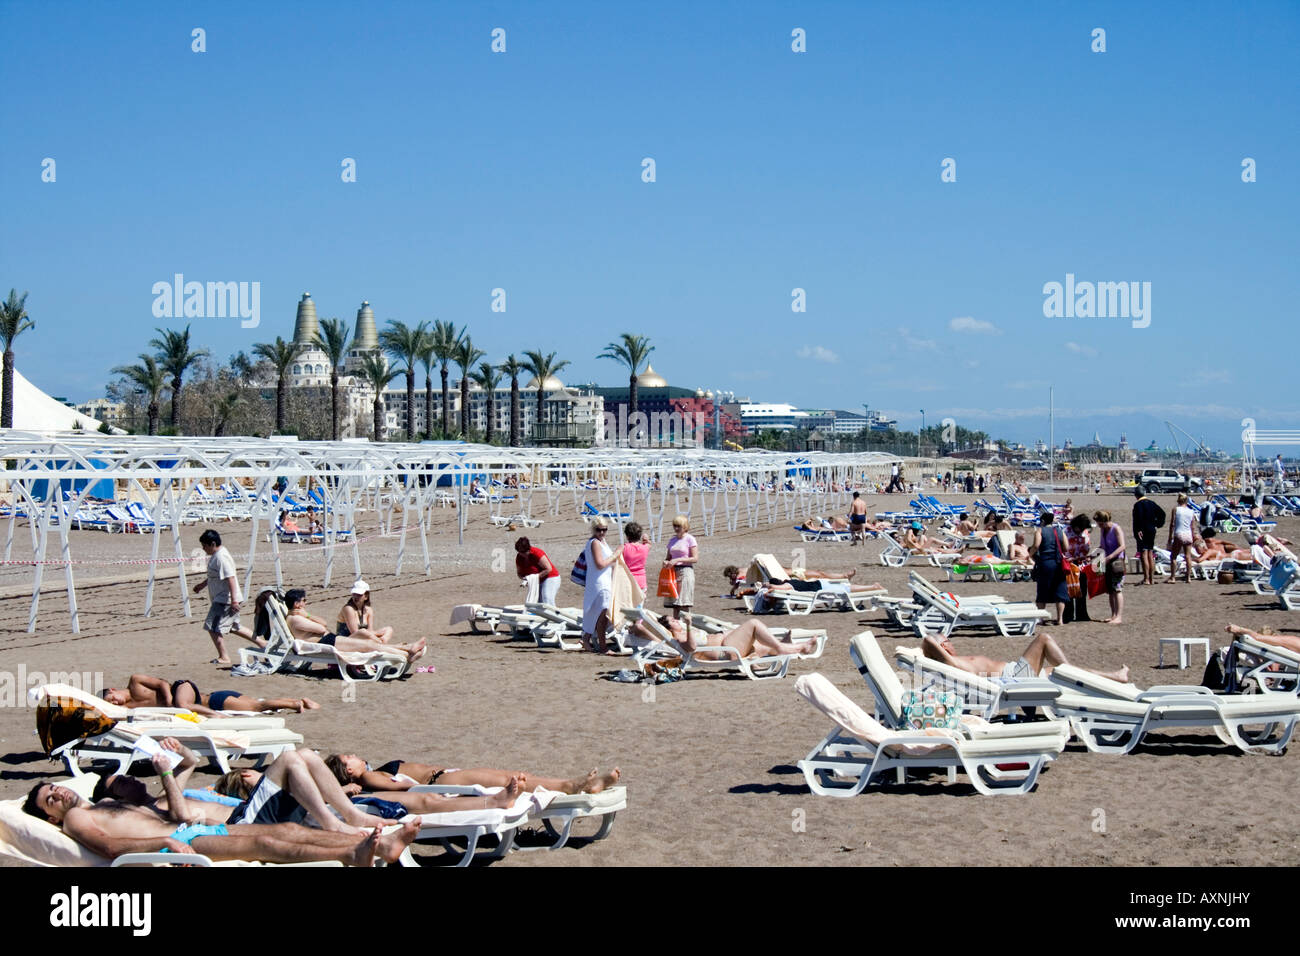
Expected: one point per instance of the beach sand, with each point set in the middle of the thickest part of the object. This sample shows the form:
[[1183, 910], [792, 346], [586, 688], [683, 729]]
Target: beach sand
[[709, 762]]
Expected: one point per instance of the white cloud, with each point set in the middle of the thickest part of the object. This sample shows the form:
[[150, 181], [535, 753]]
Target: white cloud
[[919, 345], [818, 353], [1085, 350], [966, 323]]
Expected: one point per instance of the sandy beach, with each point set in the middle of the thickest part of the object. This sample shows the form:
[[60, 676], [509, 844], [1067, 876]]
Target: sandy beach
[[709, 762]]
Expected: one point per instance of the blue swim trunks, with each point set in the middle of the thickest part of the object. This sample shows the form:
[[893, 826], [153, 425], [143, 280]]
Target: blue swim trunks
[[189, 832]]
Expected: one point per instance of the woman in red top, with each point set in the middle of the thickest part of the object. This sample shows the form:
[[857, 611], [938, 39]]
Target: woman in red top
[[530, 560], [635, 551]]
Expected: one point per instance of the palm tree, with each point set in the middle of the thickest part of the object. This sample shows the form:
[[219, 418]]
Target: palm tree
[[332, 339], [281, 355], [542, 367], [465, 356], [428, 359], [224, 409], [512, 367], [175, 357], [443, 341], [376, 373], [488, 377], [149, 378], [13, 323], [633, 352], [406, 344]]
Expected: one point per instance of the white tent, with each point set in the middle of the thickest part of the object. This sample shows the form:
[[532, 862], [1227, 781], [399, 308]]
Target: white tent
[[34, 411]]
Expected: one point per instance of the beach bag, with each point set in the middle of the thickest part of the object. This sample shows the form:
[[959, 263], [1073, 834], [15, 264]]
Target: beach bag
[[1096, 582], [579, 573], [667, 582], [923, 709], [1281, 574], [1073, 586]]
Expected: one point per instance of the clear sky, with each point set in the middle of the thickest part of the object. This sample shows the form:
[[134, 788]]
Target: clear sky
[[774, 170]]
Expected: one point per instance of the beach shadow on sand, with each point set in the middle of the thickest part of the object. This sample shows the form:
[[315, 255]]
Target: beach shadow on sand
[[936, 784], [28, 758]]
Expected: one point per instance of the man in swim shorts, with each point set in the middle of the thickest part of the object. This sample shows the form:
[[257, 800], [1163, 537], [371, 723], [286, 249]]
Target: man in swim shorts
[[143, 690], [113, 828], [858, 519], [1038, 659]]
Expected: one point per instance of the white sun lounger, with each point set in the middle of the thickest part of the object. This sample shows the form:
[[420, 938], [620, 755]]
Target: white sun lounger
[[755, 668], [944, 613], [1274, 669], [284, 652], [833, 594], [890, 694], [896, 555], [987, 696], [561, 811], [555, 625], [473, 825], [1113, 718], [219, 739], [859, 750]]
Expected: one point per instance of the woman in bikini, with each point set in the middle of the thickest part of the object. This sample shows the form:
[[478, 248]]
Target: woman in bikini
[[306, 627], [397, 776], [750, 637], [357, 618]]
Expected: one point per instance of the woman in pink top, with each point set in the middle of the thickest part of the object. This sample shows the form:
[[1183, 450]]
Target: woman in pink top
[[683, 553], [635, 551]]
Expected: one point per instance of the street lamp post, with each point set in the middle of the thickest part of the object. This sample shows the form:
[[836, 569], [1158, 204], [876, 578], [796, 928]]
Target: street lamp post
[[922, 433]]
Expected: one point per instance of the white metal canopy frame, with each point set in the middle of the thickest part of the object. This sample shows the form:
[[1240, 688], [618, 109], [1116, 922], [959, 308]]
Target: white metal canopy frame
[[173, 481]]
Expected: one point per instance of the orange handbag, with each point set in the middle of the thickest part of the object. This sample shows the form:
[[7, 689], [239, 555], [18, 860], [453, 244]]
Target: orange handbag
[[667, 582], [1073, 586]]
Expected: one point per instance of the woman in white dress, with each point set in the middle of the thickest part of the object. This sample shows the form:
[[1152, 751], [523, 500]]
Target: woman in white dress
[[598, 592]]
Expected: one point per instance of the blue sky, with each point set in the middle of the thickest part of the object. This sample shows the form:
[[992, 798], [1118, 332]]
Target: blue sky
[[775, 170]]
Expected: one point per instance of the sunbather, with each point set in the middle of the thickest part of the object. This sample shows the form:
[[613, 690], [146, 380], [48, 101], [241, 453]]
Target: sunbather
[[357, 617], [917, 541], [113, 827], [305, 627], [750, 637], [397, 776], [274, 797], [966, 525], [1266, 636], [1042, 654], [736, 578], [1019, 550], [142, 690]]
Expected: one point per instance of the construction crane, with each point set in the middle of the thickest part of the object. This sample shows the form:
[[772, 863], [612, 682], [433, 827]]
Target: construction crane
[[1192, 441]]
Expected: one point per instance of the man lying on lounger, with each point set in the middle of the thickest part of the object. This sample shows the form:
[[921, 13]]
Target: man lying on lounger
[[1038, 659], [751, 637], [139, 824], [142, 690], [292, 789]]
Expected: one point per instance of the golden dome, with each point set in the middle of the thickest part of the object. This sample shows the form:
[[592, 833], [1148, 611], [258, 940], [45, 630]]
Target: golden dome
[[651, 379], [553, 384]]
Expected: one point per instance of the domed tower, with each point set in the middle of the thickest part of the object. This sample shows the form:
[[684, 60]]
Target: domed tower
[[311, 366], [651, 379], [365, 338], [306, 325]]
